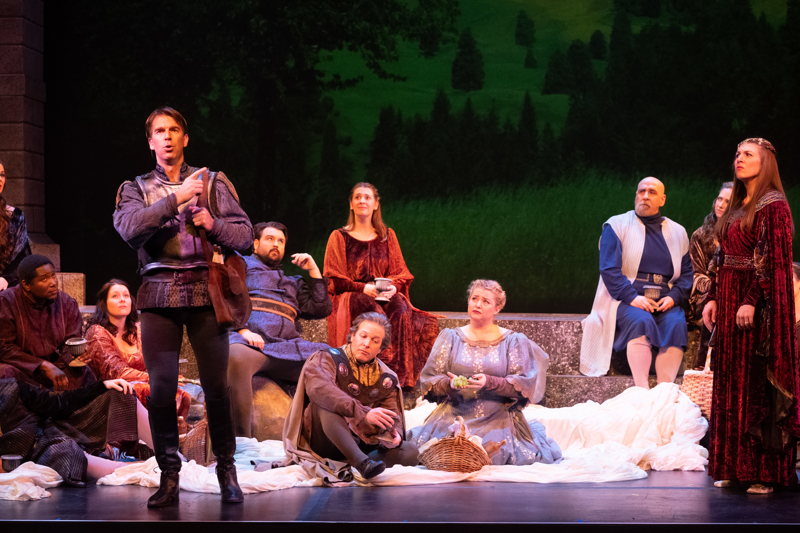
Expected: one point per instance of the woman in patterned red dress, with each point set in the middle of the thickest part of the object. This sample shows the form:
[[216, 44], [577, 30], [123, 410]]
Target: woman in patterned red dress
[[358, 253], [755, 422], [115, 343]]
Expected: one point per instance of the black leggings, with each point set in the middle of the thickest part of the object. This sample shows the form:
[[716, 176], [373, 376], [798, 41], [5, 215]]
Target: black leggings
[[162, 332], [244, 362], [331, 438]]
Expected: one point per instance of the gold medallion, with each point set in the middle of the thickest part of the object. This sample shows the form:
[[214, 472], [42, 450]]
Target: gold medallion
[[658, 278]]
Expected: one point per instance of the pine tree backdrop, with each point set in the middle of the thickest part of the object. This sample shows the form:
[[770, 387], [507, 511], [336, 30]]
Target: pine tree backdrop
[[504, 167]]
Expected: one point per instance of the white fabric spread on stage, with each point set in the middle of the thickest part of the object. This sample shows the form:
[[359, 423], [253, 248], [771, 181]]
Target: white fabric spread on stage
[[656, 429], [28, 482], [612, 441], [198, 478]]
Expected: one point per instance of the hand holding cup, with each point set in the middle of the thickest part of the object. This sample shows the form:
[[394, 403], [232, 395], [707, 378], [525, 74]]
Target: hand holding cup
[[77, 349], [385, 289]]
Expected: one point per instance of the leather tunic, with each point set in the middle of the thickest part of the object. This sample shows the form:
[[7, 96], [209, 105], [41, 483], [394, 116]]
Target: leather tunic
[[176, 245], [367, 395]]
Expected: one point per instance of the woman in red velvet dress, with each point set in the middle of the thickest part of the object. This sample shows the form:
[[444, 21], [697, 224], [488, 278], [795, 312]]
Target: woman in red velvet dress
[[358, 253], [755, 422]]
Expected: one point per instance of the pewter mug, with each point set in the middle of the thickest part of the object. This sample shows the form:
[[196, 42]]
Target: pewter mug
[[383, 284], [76, 346], [11, 462], [653, 292]]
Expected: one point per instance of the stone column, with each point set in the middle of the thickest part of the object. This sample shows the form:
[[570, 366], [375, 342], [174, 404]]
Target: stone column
[[22, 97]]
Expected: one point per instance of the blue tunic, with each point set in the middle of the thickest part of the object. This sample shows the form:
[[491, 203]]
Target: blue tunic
[[662, 330], [281, 339]]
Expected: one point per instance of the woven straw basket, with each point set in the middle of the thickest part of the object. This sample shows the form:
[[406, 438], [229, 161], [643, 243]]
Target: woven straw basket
[[193, 444], [455, 453], [698, 385]]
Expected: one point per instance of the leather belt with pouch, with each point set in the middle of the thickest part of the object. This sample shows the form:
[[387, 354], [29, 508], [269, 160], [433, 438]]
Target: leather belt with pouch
[[658, 279], [658, 285]]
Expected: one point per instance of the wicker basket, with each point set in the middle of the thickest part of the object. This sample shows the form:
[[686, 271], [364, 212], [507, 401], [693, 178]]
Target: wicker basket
[[698, 385], [455, 453], [194, 443]]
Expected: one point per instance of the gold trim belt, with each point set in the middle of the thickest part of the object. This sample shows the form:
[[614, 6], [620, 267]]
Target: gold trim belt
[[652, 278], [276, 308], [739, 262]]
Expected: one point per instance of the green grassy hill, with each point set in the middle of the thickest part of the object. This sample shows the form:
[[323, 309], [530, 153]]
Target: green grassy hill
[[558, 22], [539, 242], [492, 23]]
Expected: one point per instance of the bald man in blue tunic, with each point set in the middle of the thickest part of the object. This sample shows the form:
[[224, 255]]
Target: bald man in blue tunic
[[645, 278]]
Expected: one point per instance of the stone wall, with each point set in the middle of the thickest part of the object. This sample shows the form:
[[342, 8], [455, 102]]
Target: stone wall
[[558, 334], [22, 108]]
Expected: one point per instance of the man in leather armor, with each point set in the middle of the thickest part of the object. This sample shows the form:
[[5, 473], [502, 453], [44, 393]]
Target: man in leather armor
[[158, 216], [348, 408]]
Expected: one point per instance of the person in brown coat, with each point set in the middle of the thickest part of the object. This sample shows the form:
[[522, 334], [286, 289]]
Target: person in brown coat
[[36, 320], [348, 408]]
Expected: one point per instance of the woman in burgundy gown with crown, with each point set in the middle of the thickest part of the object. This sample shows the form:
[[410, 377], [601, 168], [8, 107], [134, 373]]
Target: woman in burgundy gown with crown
[[755, 422]]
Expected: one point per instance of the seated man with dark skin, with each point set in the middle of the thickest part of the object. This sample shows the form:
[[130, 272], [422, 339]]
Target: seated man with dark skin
[[348, 408], [36, 319]]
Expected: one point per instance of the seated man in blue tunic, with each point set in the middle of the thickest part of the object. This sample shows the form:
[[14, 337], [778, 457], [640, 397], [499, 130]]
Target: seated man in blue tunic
[[645, 278], [270, 344]]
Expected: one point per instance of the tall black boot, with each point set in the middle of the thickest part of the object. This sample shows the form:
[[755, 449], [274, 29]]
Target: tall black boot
[[223, 444], [164, 428]]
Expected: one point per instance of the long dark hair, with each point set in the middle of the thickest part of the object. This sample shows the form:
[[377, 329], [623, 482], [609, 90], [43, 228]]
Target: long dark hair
[[5, 220], [101, 313], [706, 232], [769, 179], [377, 219]]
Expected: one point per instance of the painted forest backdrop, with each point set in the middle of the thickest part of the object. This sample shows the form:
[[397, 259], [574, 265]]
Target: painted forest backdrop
[[500, 133]]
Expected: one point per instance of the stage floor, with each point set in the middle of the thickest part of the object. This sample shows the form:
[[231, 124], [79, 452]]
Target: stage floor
[[662, 498]]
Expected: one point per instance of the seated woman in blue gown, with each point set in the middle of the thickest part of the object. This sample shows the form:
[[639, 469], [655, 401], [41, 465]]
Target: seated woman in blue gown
[[505, 371]]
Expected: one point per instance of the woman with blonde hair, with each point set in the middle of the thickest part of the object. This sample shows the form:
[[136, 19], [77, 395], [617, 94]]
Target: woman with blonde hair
[[363, 250], [486, 375], [755, 419]]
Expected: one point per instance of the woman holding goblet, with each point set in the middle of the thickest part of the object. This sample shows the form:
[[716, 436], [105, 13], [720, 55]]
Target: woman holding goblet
[[755, 419], [359, 253], [504, 370]]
